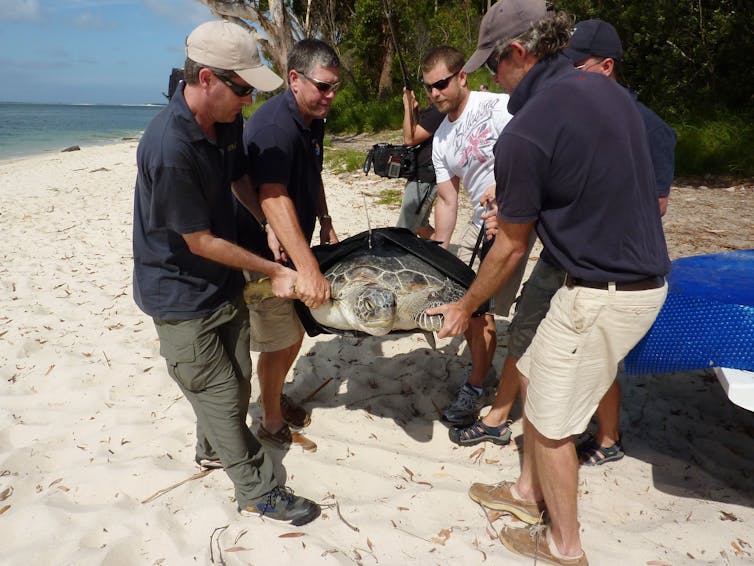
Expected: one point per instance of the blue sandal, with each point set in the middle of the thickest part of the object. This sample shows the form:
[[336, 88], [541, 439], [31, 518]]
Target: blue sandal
[[590, 453], [478, 432]]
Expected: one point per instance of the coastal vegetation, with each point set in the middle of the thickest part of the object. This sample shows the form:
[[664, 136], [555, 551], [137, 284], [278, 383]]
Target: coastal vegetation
[[683, 59]]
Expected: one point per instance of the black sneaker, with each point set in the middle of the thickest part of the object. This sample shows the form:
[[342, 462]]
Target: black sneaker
[[282, 505], [209, 463], [465, 408]]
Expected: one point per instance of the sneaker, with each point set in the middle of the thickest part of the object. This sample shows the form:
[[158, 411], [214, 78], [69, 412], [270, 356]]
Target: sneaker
[[500, 498], [294, 414], [535, 542], [465, 408], [209, 463], [282, 505]]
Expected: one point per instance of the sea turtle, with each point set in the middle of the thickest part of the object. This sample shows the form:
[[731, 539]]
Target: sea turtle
[[376, 294], [381, 281]]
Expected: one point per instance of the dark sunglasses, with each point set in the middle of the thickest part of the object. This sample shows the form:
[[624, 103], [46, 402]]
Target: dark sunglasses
[[239, 90], [497, 55], [321, 86], [442, 84]]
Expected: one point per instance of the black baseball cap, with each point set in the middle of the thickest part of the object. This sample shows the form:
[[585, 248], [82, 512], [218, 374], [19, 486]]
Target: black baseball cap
[[594, 38]]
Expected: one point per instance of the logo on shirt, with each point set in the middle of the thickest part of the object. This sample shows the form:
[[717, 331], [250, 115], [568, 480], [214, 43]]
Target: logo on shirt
[[317, 148], [480, 136]]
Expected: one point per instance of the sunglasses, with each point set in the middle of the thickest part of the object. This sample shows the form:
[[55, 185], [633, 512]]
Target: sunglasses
[[321, 86], [497, 55], [442, 84], [239, 90]]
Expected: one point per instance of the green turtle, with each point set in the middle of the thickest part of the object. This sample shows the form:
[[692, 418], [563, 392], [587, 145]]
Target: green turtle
[[381, 281]]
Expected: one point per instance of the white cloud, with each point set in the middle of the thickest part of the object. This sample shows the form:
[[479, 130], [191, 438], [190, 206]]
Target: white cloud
[[20, 10]]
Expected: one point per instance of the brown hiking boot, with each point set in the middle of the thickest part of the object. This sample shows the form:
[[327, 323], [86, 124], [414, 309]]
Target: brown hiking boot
[[293, 414], [499, 497], [533, 543]]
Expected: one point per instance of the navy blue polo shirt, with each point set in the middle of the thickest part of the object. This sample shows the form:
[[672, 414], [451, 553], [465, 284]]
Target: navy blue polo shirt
[[281, 149], [574, 159], [183, 186], [662, 140]]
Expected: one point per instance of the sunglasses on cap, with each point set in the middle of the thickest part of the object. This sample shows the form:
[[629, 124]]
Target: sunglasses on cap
[[442, 84], [321, 86], [239, 90]]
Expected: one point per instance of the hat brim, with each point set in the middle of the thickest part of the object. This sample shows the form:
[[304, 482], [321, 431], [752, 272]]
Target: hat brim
[[575, 55], [477, 59], [261, 78]]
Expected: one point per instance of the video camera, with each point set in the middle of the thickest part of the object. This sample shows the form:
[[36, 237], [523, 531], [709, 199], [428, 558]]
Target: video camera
[[391, 161]]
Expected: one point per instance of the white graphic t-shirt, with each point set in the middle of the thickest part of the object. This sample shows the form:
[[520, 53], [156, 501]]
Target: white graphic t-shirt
[[463, 148]]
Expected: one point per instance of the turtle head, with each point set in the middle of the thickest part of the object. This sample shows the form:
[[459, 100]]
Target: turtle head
[[372, 309]]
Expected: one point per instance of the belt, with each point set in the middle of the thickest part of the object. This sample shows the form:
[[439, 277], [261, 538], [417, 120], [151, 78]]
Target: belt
[[641, 285]]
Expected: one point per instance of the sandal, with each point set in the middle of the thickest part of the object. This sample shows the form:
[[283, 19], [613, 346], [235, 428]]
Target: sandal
[[478, 432], [590, 453], [293, 414], [280, 439]]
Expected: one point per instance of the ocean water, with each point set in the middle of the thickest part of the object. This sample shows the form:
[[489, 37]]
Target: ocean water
[[30, 129]]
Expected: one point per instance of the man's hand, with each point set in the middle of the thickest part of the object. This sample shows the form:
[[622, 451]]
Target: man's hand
[[490, 216], [327, 233], [312, 289], [274, 244], [284, 283], [456, 317]]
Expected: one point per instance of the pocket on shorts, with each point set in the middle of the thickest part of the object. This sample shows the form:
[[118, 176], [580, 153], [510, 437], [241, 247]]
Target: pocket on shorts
[[585, 310]]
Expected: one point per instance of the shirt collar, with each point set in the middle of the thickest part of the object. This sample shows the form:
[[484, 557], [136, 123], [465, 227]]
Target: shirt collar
[[542, 73]]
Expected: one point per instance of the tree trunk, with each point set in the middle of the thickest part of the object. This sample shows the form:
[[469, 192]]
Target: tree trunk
[[277, 28], [385, 84]]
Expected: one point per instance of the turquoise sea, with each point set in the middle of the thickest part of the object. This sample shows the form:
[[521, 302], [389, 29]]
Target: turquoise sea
[[30, 129]]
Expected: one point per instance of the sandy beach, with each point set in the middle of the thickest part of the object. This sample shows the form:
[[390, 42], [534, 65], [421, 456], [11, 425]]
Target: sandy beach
[[95, 436]]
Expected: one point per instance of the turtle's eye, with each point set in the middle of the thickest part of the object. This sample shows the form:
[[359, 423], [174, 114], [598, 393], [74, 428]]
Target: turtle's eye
[[368, 303]]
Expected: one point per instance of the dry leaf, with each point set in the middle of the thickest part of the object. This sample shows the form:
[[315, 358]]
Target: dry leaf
[[658, 563], [6, 493], [4, 508], [236, 549], [478, 452], [402, 508], [410, 473], [442, 537], [728, 516], [370, 545], [55, 481], [291, 535]]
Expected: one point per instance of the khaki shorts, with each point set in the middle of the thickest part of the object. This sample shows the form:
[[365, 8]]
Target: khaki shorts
[[503, 299], [274, 325], [574, 355]]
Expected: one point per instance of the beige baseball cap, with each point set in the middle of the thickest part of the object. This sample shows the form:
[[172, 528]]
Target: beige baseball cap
[[224, 45]]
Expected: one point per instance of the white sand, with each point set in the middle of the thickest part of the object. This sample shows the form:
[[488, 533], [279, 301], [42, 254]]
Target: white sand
[[91, 425]]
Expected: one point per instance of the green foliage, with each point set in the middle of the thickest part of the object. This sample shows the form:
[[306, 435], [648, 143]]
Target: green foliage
[[349, 113], [720, 145], [344, 160], [392, 197]]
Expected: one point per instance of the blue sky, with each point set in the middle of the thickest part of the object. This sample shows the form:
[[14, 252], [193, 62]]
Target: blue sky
[[93, 51]]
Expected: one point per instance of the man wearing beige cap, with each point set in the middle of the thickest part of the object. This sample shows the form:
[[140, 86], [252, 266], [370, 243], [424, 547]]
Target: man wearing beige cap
[[574, 165], [187, 268]]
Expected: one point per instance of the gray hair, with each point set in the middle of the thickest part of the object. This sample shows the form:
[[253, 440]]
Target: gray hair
[[308, 53], [543, 39]]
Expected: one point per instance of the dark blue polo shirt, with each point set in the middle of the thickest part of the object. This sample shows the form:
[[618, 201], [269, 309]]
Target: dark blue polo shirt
[[575, 160], [281, 149], [662, 140], [183, 186]]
